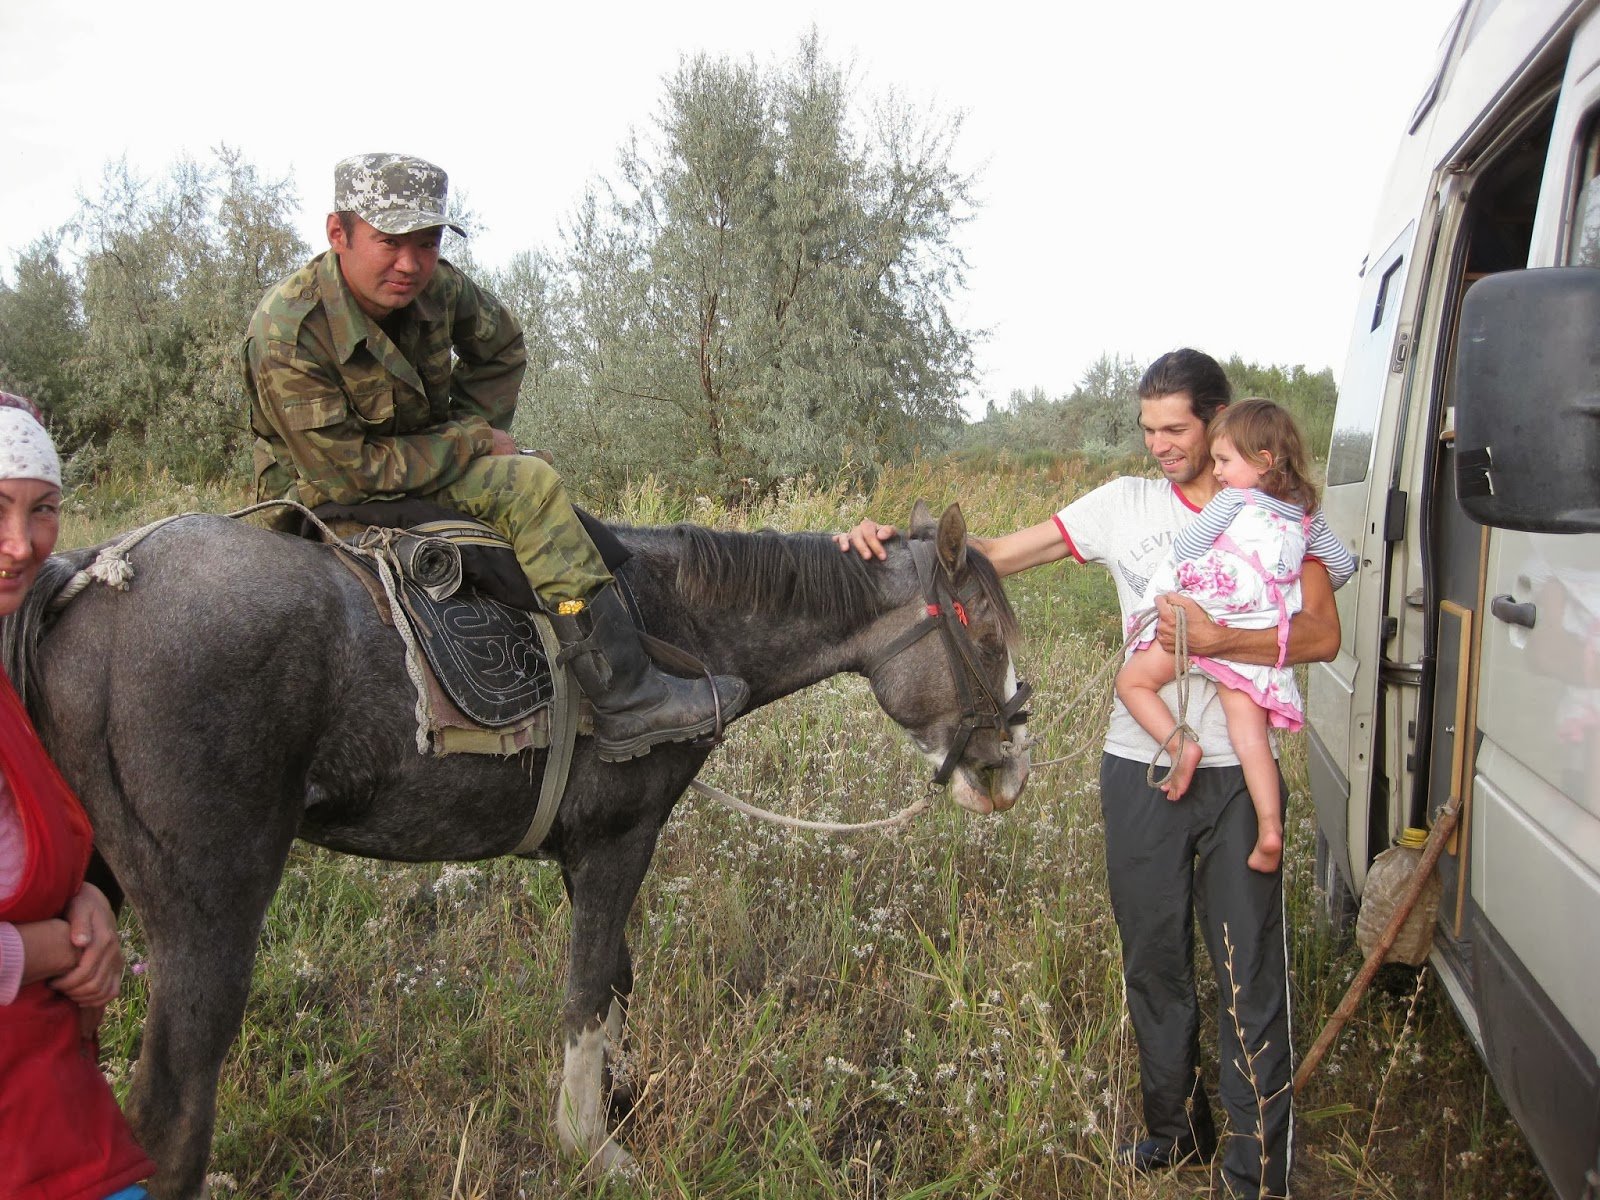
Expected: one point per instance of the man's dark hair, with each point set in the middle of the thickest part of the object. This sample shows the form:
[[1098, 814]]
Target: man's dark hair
[[347, 222], [1193, 372]]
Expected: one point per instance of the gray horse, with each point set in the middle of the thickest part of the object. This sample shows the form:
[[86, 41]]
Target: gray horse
[[243, 692]]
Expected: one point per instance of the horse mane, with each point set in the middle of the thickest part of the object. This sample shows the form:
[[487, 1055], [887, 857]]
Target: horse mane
[[21, 631], [770, 571]]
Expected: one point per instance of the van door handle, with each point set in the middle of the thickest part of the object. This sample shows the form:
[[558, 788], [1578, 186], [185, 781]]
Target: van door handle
[[1512, 613]]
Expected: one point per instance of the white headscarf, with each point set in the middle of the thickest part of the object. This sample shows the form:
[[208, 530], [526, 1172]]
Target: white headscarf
[[26, 451]]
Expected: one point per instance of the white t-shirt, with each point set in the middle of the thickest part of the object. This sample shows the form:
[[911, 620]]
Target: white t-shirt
[[1129, 525]]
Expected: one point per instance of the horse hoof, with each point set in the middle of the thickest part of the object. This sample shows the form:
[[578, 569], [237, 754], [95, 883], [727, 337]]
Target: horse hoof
[[610, 1161]]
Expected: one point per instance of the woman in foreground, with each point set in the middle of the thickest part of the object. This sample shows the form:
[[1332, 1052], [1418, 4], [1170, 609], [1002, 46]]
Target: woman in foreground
[[62, 1136]]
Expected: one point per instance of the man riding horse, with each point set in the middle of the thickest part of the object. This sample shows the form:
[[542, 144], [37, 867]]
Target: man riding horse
[[379, 371]]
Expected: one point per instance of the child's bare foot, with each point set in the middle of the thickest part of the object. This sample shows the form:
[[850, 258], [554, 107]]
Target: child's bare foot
[[1183, 770], [1269, 848]]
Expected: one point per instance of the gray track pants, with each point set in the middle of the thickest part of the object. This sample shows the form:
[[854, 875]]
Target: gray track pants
[[1166, 863]]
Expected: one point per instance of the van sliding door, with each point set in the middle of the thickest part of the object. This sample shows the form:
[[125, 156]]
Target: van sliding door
[[1533, 894]]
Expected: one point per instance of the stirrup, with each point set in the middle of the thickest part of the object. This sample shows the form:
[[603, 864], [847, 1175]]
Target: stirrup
[[1185, 735]]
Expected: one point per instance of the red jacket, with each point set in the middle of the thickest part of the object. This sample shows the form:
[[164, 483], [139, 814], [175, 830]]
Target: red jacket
[[62, 1136]]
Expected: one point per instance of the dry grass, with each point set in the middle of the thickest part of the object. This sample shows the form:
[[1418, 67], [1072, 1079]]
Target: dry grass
[[935, 1012]]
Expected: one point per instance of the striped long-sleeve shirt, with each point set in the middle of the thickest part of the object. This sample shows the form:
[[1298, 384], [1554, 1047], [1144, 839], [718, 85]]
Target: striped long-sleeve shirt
[[1321, 544]]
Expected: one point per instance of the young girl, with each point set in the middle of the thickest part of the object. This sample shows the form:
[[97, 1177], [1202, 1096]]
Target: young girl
[[1240, 560], [61, 1136]]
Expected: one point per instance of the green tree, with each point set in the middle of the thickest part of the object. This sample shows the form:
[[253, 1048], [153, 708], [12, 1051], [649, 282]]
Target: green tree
[[1026, 425], [458, 210], [1310, 396], [169, 275], [41, 325], [764, 292], [530, 287], [1100, 417], [1102, 414]]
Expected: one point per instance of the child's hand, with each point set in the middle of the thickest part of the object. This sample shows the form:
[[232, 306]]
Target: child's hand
[[92, 929]]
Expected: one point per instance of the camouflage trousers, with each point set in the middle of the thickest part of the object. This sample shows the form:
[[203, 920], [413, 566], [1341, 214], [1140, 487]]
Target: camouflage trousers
[[523, 497]]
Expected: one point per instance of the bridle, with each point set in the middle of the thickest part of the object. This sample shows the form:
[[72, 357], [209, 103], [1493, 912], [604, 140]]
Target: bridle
[[946, 611]]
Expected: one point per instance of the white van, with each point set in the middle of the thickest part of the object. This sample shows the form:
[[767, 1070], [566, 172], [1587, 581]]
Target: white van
[[1464, 474]]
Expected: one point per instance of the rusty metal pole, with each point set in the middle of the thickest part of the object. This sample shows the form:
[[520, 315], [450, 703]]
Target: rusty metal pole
[[1443, 826]]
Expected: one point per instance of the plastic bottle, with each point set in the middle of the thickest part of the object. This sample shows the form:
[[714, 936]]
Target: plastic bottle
[[1387, 883]]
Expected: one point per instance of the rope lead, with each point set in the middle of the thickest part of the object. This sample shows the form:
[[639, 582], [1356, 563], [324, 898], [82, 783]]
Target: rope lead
[[1182, 731]]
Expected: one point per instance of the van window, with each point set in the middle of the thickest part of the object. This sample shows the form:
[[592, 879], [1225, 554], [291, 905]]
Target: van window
[[1585, 248], [1356, 418], [1445, 43], [1384, 297]]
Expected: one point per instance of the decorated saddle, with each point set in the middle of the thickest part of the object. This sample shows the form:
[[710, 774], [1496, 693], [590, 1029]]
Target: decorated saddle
[[468, 608], [485, 654]]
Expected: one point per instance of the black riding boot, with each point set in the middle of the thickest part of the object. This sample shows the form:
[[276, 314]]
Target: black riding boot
[[635, 704]]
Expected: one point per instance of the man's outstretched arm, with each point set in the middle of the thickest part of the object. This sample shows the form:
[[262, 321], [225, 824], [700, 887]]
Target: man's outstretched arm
[[1030, 547]]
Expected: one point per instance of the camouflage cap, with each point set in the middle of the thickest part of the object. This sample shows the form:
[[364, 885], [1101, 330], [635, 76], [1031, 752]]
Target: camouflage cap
[[394, 193]]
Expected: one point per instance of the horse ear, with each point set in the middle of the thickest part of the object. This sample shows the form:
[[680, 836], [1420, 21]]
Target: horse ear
[[953, 540], [922, 520]]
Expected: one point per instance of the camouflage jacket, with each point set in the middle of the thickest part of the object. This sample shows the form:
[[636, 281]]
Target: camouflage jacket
[[346, 409]]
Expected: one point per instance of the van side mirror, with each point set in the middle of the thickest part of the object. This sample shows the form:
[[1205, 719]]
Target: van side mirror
[[1527, 395]]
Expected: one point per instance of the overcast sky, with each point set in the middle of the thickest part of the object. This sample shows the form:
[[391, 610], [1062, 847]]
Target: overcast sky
[[1152, 174]]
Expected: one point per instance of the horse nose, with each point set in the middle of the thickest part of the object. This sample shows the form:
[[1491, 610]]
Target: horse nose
[[991, 752]]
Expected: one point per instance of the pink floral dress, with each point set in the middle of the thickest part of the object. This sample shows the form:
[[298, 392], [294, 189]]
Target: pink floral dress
[[1240, 561]]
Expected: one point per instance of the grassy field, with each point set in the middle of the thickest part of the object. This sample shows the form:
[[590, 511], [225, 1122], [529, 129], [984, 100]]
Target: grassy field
[[934, 1012]]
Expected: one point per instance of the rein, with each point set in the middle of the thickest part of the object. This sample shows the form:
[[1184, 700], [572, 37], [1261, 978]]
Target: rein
[[1103, 674], [1182, 733], [915, 809]]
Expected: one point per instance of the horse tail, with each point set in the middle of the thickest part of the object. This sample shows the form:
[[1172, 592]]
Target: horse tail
[[23, 630]]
